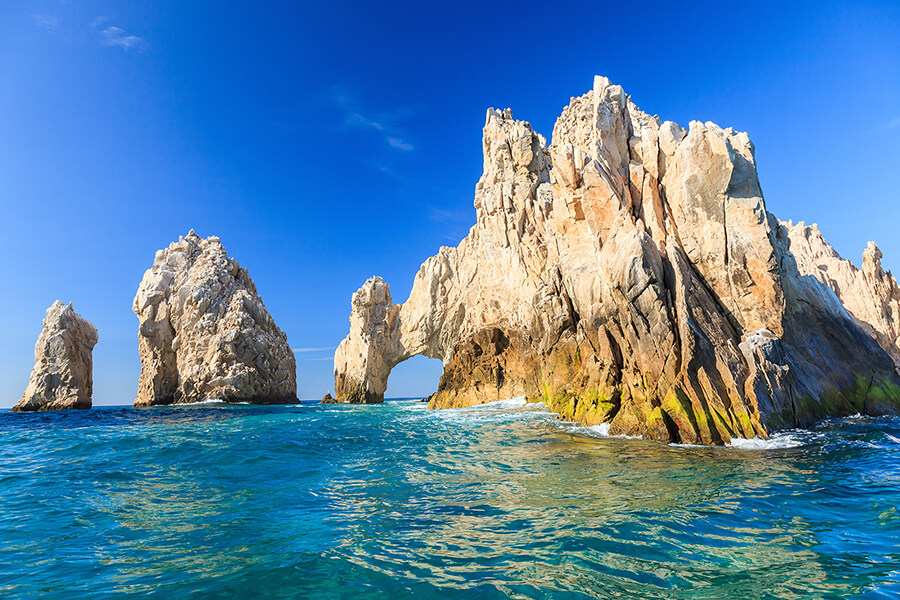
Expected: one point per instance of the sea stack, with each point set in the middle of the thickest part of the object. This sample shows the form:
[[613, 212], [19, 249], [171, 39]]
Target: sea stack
[[629, 273], [62, 374], [205, 332]]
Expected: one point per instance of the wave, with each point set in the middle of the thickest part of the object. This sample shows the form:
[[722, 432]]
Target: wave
[[787, 439], [595, 431], [207, 402], [499, 410], [517, 402]]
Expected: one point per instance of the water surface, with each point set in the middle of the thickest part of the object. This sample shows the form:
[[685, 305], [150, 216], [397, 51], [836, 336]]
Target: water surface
[[394, 501]]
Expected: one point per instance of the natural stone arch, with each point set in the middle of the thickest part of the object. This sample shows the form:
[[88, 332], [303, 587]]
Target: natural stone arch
[[630, 274]]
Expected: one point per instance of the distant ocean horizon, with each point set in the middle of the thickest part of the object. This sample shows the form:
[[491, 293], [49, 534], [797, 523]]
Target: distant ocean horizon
[[396, 501]]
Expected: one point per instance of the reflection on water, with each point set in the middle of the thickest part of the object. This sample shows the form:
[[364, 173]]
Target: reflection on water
[[500, 501]]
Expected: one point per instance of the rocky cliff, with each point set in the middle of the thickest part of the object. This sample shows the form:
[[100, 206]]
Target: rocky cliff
[[205, 333], [63, 364], [870, 294], [629, 274]]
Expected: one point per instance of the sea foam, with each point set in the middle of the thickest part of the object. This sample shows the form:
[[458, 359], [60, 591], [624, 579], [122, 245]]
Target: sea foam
[[777, 441]]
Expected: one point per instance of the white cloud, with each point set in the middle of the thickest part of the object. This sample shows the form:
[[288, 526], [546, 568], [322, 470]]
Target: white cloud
[[891, 124], [354, 117], [117, 37], [399, 144], [48, 22]]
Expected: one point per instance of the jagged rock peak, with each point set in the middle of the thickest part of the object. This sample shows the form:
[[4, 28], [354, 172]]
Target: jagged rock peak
[[628, 274], [205, 332], [62, 374], [870, 294]]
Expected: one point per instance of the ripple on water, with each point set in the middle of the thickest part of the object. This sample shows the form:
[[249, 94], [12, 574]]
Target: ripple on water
[[395, 501]]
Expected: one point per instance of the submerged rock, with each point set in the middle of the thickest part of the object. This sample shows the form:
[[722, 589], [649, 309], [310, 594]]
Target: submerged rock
[[627, 274], [63, 364], [205, 333]]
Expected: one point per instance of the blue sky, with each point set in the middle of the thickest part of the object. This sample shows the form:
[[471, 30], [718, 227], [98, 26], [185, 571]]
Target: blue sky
[[328, 142]]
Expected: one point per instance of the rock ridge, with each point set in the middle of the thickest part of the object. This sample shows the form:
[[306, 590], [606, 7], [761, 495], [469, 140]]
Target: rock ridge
[[630, 273]]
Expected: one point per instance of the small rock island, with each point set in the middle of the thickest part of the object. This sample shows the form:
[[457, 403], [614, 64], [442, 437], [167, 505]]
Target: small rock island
[[205, 332], [62, 377]]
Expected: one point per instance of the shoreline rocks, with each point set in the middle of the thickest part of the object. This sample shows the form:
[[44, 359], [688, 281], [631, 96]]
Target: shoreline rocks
[[629, 273], [62, 377], [205, 332]]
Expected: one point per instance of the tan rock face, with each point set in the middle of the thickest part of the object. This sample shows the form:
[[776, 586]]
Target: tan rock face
[[205, 333], [870, 294], [62, 375], [629, 273]]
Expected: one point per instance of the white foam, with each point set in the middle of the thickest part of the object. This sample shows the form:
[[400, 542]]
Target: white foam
[[517, 402], [777, 441], [596, 431], [498, 411], [208, 402]]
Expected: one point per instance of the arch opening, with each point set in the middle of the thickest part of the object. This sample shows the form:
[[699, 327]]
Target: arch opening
[[415, 377]]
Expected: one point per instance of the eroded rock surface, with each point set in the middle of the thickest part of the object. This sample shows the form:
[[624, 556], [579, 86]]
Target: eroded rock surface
[[205, 332], [62, 375], [629, 273], [870, 294]]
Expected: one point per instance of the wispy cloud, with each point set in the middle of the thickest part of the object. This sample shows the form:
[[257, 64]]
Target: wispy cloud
[[455, 222], [48, 22], [116, 37], [893, 123], [384, 123], [312, 349], [399, 144]]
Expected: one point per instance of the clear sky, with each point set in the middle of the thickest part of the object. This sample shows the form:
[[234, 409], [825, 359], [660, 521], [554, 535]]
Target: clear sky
[[327, 142]]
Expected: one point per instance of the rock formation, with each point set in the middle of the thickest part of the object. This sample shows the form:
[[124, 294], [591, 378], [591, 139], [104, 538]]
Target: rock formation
[[62, 375], [870, 294], [627, 274], [205, 333]]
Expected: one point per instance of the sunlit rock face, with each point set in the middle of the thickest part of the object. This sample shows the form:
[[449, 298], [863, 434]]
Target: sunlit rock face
[[627, 274], [62, 376], [205, 332], [870, 294]]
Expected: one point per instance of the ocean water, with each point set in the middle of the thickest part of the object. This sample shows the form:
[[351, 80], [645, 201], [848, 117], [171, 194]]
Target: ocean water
[[394, 501]]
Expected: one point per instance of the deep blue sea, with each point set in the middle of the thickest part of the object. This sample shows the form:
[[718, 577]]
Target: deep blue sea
[[395, 501]]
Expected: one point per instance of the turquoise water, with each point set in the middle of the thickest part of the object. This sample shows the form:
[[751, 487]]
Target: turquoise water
[[394, 501]]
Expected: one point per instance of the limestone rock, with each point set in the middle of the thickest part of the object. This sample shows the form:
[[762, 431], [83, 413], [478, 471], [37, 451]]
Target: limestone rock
[[205, 333], [870, 294], [62, 375], [328, 399], [628, 274]]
